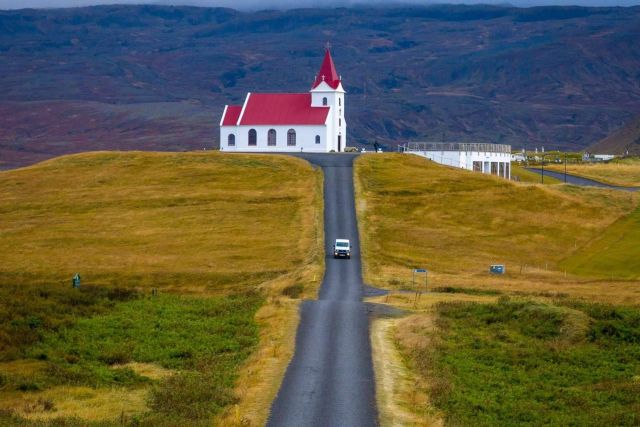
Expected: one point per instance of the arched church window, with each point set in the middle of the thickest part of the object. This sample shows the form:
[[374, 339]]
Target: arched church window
[[291, 137], [271, 137], [324, 101], [253, 137], [339, 102], [317, 139], [339, 122], [231, 140]]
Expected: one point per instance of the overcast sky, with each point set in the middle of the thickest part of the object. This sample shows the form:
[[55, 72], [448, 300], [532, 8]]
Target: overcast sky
[[287, 4]]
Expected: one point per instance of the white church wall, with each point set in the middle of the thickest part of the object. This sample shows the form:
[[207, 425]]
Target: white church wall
[[305, 138]]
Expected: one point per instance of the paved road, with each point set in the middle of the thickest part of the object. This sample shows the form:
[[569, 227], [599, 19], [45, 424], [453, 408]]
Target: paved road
[[330, 380], [578, 180]]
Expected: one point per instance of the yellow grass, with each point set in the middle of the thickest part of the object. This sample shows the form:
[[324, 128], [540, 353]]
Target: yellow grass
[[624, 172], [417, 214], [398, 391], [181, 220], [82, 402], [204, 223], [520, 174]]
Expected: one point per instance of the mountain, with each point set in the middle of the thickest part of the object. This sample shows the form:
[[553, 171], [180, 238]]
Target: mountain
[[621, 141], [158, 77]]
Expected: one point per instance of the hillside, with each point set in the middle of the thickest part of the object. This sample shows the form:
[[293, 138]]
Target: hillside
[[157, 78], [626, 139], [418, 214], [221, 327]]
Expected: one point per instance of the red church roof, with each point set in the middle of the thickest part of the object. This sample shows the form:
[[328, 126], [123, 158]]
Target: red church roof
[[327, 72], [231, 115], [282, 109]]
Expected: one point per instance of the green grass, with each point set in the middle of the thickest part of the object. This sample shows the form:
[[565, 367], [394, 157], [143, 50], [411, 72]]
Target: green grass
[[203, 340], [615, 253], [28, 313], [525, 363]]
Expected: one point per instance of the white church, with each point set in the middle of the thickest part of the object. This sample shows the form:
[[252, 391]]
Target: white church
[[307, 122]]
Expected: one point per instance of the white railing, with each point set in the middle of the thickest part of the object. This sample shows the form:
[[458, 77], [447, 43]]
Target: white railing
[[455, 146]]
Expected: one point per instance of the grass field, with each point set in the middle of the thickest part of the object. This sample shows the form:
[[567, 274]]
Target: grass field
[[615, 252], [415, 213], [519, 362], [127, 222], [549, 342], [624, 172], [520, 174]]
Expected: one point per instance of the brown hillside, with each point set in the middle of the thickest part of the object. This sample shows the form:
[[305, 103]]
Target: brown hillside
[[158, 77], [626, 138]]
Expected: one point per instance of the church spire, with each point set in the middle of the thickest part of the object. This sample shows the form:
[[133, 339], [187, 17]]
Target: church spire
[[327, 72]]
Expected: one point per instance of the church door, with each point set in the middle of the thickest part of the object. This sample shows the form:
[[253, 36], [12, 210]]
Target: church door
[[339, 143]]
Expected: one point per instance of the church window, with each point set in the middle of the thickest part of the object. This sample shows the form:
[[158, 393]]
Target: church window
[[231, 140], [271, 137], [291, 137], [317, 139], [339, 122], [339, 101], [253, 137], [324, 101]]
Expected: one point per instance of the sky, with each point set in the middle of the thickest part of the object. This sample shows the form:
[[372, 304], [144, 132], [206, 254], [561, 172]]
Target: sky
[[288, 4]]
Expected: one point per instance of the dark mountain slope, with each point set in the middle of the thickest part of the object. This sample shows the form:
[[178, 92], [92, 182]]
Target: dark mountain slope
[[621, 141], [158, 77]]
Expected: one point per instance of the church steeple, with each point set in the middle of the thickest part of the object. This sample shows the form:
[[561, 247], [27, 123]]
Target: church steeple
[[327, 72]]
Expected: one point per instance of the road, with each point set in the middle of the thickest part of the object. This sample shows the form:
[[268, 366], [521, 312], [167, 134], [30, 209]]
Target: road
[[578, 180], [330, 380]]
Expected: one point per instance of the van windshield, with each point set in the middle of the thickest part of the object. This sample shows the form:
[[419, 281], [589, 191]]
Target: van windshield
[[342, 244]]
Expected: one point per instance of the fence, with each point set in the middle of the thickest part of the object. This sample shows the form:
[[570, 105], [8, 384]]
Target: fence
[[455, 146]]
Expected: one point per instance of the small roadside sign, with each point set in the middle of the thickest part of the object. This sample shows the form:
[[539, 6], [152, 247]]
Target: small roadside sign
[[497, 269], [420, 270]]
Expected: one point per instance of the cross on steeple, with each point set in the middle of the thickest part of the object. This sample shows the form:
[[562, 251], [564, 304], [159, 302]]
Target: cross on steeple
[[327, 45], [327, 71]]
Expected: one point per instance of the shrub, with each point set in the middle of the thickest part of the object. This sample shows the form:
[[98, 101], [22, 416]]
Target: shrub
[[28, 386], [293, 291], [116, 357]]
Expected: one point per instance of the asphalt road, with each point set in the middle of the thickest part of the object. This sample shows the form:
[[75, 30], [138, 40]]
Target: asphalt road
[[578, 180], [330, 380]]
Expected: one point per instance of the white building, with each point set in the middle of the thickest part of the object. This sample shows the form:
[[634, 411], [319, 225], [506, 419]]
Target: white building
[[309, 122], [492, 159]]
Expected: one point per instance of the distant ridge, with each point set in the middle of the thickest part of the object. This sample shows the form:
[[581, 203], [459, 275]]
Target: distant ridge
[[158, 77], [626, 138]]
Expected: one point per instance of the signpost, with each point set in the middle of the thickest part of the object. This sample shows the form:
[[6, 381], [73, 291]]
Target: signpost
[[75, 281], [497, 269], [415, 286]]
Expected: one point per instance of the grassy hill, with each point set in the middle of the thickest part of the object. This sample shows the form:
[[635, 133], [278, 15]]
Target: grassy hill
[[157, 77], [553, 341], [615, 253], [456, 223], [128, 222]]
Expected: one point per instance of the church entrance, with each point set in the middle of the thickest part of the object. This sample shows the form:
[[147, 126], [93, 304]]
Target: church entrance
[[339, 143]]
